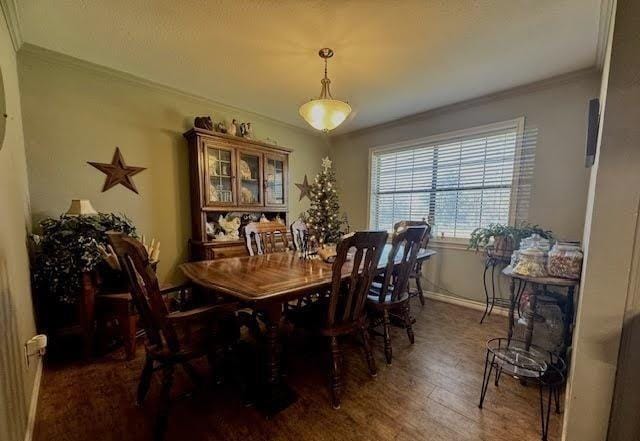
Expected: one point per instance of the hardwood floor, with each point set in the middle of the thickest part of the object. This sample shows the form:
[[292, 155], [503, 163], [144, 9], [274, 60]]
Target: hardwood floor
[[430, 392]]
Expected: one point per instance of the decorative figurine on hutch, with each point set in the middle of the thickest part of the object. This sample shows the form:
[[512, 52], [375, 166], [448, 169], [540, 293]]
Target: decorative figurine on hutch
[[248, 133], [243, 130], [230, 228], [203, 122], [233, 128], [221, 127]]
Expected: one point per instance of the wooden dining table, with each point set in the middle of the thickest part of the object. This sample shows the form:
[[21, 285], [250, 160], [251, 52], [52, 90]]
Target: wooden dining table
[[266, 282]]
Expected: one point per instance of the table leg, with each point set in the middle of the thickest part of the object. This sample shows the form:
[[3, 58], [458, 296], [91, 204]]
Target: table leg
[[568, 320], [534, 303], [277, 395], [513, 298], [486, 291]]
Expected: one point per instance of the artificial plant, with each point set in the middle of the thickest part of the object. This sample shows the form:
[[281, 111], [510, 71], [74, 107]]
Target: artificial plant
[[68, 247]]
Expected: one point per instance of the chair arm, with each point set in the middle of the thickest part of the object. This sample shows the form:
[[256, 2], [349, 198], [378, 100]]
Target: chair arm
[[201, 313]]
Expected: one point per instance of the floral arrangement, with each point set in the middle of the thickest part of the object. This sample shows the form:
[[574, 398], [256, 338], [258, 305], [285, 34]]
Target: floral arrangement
[[69, 246]]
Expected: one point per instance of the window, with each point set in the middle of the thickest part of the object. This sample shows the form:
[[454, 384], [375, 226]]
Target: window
[[458, 181]]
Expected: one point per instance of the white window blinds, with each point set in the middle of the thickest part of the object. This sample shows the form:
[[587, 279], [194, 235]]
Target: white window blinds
[[458, 182]]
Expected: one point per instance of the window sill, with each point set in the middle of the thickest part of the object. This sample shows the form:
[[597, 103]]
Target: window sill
[[450, 244]]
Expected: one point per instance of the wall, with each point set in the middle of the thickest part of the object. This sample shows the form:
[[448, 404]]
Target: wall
[[610, 292], [554, 110], [16, 312], [77, 112]]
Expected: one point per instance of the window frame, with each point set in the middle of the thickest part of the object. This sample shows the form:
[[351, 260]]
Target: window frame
[[516, 123]]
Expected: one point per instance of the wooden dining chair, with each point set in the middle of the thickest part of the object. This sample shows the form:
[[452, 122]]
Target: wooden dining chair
[[392, 294], [204, 329], [416, 273], [266, 235], [343, 311], [298, 229]]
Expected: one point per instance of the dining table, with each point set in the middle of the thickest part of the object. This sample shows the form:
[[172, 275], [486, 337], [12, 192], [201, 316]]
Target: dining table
[[266, 282]]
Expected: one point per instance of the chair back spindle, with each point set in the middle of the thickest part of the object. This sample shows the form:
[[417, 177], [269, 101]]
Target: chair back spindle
[[348, 297], [266, 236], [408, 241]]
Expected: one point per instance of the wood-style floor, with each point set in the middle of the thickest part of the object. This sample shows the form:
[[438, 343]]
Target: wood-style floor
[[430, 392]]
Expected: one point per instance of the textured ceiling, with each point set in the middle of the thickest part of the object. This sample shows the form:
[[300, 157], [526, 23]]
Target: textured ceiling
[[393, 58]]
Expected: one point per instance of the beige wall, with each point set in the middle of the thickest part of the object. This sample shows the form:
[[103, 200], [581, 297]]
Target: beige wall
[[16, 312], [556, 109], [77, 112], [611, 283]]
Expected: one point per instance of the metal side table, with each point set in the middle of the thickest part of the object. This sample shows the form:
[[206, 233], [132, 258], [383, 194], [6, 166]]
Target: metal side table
[[541, 284], [492, 261], [529, 364]]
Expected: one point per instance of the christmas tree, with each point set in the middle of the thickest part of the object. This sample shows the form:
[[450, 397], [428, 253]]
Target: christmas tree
[[322, 217]]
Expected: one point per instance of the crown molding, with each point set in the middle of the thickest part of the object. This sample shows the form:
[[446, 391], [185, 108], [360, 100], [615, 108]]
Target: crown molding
[[61, 59], [607, 8], [10, 10], [515, 91]]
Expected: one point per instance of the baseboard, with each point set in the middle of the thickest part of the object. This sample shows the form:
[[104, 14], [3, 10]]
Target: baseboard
[[467, 303], [33, 406]]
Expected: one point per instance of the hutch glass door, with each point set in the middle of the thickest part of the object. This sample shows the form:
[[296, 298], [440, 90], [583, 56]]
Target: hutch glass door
[[249, 177], [275, 179], [220, 167]]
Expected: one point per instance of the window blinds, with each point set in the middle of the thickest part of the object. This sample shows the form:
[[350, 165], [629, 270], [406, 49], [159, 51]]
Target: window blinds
[[457, 183]]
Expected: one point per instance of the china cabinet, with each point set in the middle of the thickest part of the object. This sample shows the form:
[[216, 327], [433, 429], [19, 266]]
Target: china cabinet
[[233, 176]]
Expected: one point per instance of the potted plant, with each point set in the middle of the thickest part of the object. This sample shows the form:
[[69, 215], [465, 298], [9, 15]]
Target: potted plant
[[505, 238], [502, 236]]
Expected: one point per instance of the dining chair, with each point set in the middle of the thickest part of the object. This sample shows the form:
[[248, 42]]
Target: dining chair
[[298, 229], [343, 311], [392, 294], [265, 235], [172, 338], [416, 272]]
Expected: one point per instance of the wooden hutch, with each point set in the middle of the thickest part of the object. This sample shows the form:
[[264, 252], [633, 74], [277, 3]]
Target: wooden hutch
[[233, 175]]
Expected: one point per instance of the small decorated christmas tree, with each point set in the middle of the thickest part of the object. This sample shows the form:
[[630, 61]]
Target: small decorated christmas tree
[[323, 218]]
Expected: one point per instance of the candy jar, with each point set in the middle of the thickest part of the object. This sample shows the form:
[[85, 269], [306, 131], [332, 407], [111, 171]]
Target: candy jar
[[565, 260], [532, 263]]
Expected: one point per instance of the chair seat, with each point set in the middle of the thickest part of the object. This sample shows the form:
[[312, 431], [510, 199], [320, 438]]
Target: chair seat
[[373, 297], [313, 318]]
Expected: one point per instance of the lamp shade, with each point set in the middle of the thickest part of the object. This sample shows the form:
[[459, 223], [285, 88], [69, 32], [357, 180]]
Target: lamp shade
[[81, 207], [325, 114]]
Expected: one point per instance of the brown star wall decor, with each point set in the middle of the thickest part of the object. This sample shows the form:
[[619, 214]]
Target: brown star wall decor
[[305, 188], [118, 172]]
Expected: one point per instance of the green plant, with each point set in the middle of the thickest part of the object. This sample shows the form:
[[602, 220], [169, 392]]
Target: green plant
[[68, 246], [481, 237]]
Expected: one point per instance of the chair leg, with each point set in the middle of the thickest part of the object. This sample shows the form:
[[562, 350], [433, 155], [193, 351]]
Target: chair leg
[[419, 287], [387, 336], [128, 329], [165, 402], [145, 380], [336, 374], [371, 362], [407, 323], [194, 376]]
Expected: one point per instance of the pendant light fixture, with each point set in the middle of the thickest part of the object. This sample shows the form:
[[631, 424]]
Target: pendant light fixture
[[325, 113]]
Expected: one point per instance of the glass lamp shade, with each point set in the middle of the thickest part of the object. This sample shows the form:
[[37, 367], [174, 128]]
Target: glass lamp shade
[[325, 114]]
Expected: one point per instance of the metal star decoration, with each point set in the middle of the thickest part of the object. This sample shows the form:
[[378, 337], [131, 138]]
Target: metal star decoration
[[305, 189], [118, 172]]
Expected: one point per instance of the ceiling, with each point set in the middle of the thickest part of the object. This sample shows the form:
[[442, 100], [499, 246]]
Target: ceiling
[[393, 58]]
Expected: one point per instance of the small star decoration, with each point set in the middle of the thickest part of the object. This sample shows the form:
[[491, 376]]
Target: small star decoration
[[326, 164], [305, 189], [117, 172]]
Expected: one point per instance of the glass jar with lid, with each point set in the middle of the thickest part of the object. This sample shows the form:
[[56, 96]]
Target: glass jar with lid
[[532, 263], [565, 260]]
